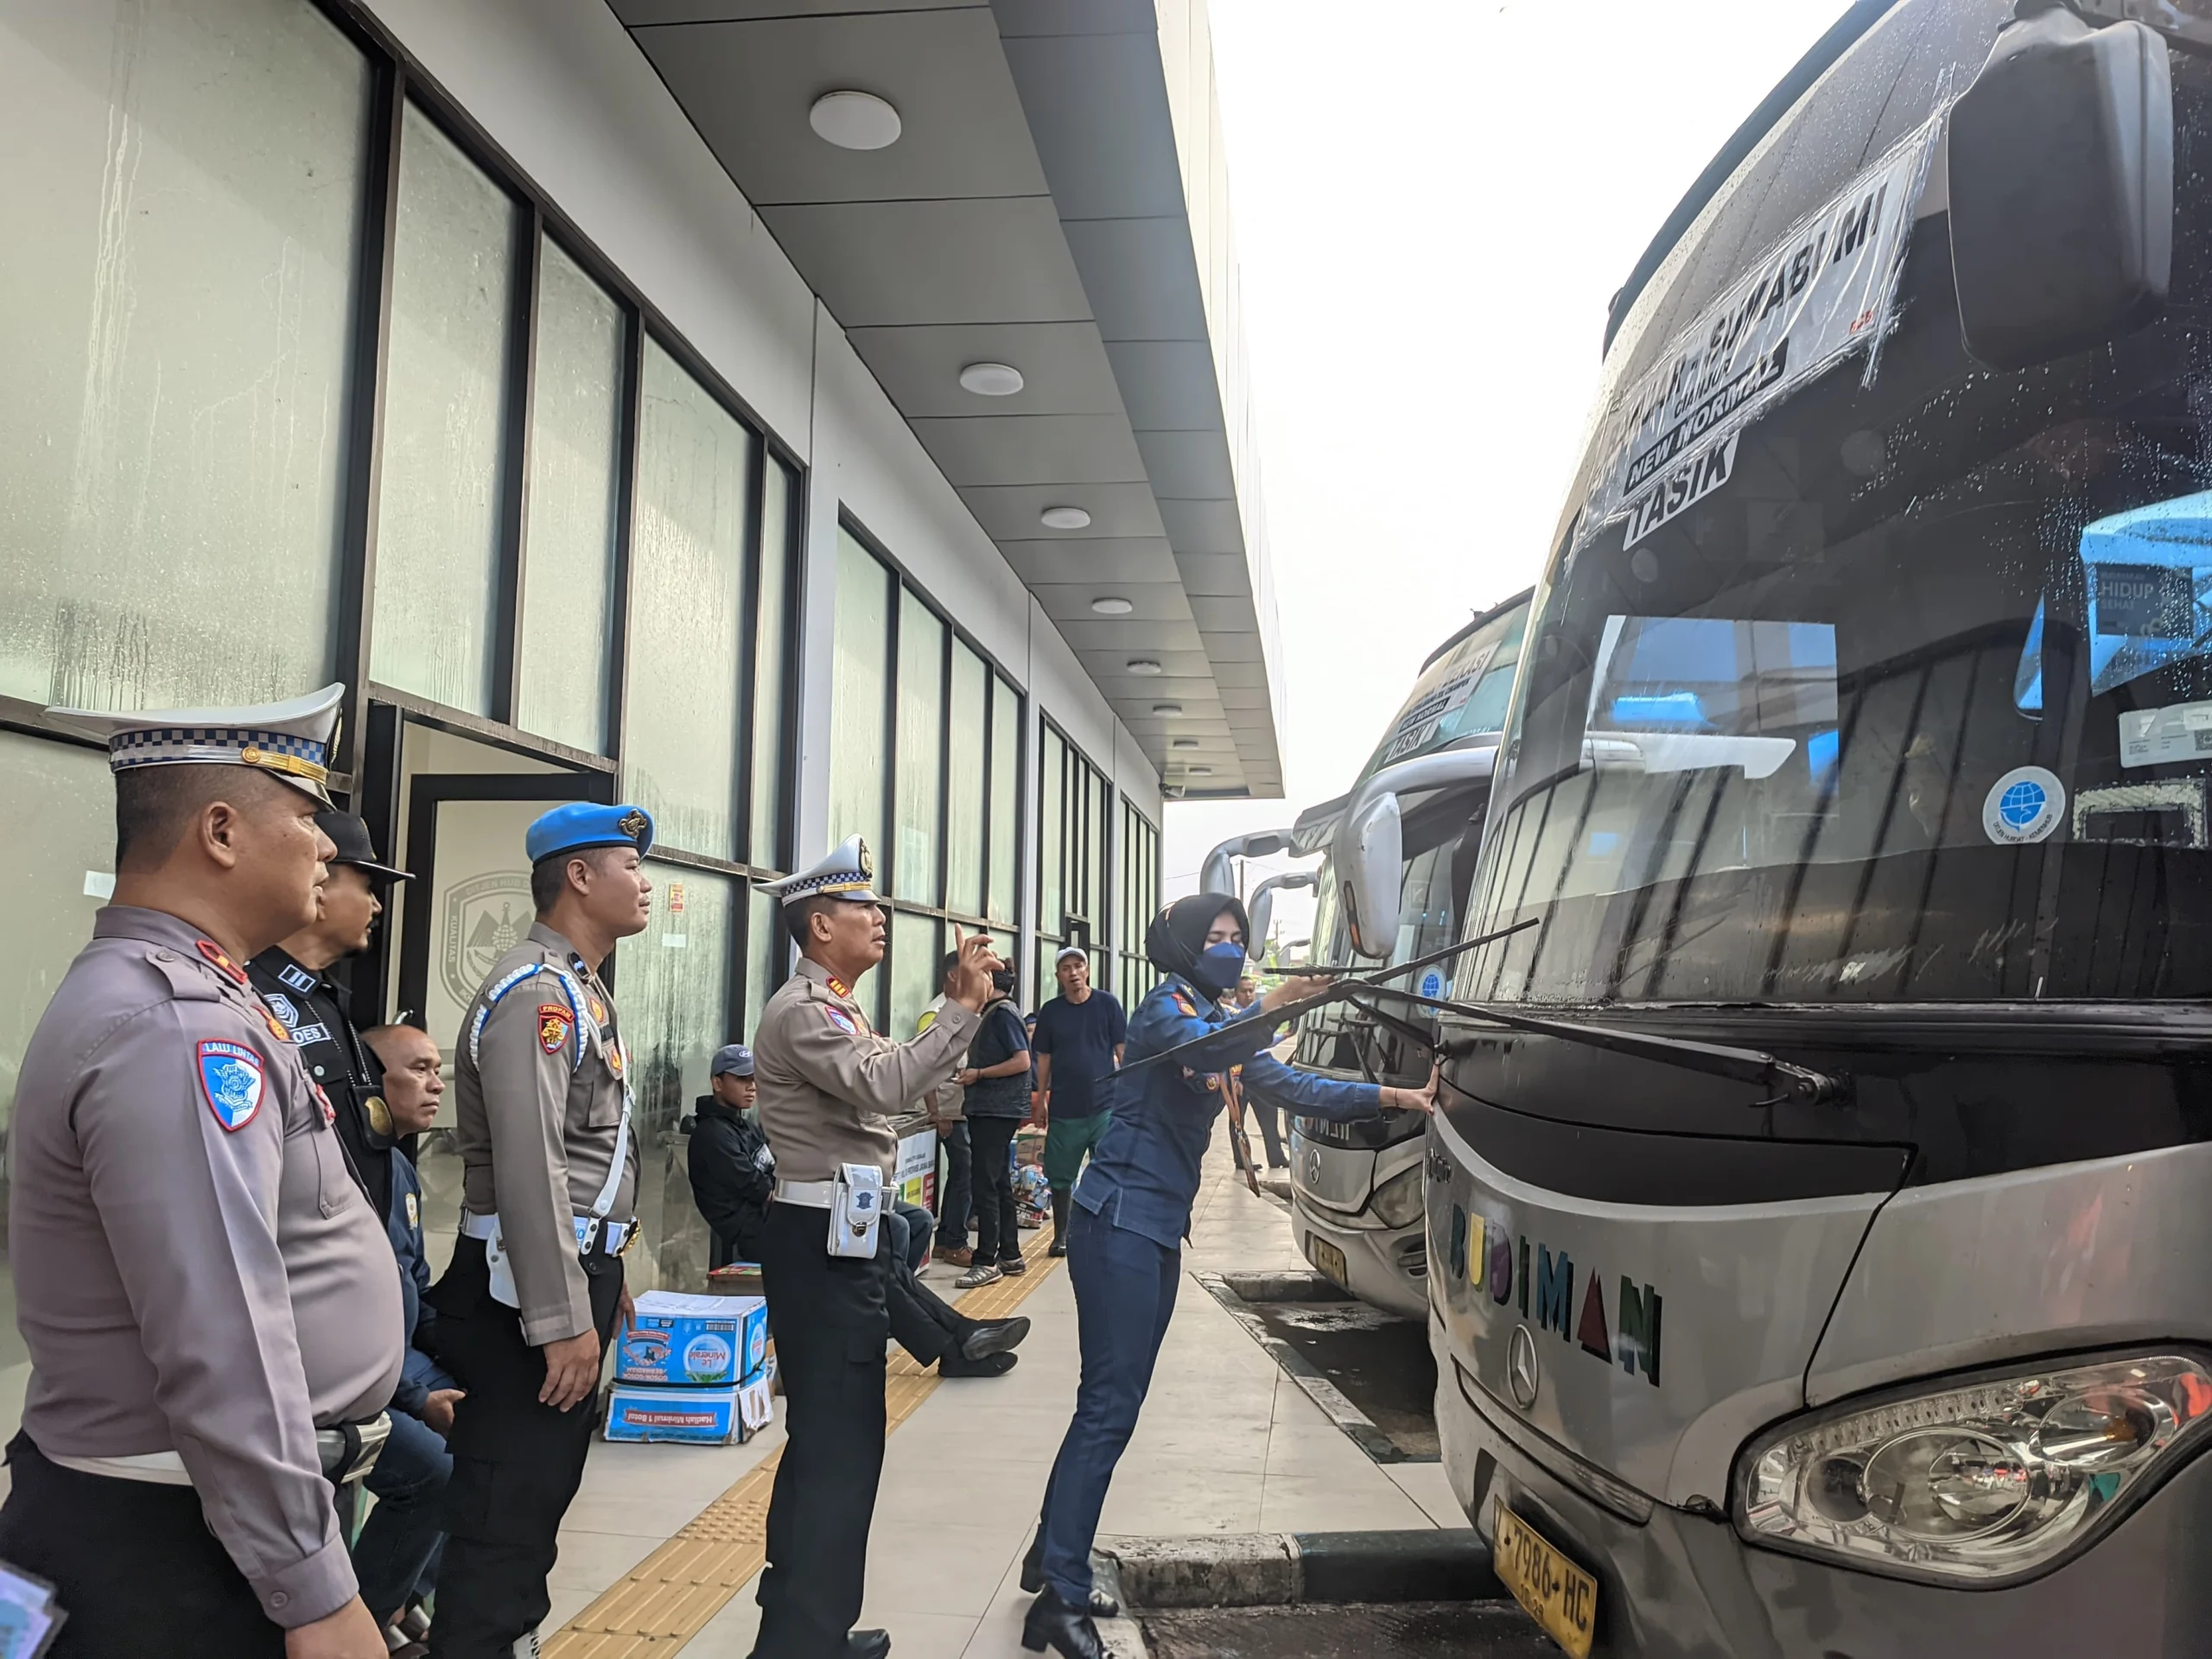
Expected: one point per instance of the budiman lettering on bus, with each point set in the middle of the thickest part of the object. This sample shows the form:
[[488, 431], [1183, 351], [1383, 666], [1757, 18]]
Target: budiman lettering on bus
[[1487, 1253]]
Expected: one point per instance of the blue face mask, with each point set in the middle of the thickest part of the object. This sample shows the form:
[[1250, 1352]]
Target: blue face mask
[[1219, 968]]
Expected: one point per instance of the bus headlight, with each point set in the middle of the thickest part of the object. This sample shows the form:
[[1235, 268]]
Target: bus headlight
[[1978, 1483], [1398, 1200]]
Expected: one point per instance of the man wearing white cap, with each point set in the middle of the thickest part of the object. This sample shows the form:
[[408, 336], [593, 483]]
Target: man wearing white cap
[[829, 1088], [209, 1305]]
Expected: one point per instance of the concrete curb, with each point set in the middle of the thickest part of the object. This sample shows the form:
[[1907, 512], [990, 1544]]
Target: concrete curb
[[1273, 1569]]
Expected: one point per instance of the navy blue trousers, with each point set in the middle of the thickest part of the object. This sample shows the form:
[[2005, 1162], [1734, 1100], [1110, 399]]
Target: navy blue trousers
[[1124, 1296]]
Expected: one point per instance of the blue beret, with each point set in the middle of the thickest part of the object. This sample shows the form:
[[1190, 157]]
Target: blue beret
[[580, 824]]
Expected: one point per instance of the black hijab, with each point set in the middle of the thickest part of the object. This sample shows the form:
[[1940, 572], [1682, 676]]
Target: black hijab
[[1178, 934]]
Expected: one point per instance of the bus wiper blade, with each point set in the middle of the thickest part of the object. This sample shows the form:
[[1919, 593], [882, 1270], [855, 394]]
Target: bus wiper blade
[[1801, 1084], [1376, 975], [1232, 1043]]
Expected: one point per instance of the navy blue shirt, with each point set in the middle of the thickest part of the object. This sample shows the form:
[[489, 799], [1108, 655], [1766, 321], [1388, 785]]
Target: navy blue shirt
[[1144, 1172], [999, 1037], [1081, 1037]]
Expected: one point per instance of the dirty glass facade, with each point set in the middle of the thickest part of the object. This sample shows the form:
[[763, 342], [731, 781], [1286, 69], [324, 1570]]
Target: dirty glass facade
[[307, 384]]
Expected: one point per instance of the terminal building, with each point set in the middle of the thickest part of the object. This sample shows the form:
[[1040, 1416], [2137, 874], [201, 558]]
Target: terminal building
[[797, 416]]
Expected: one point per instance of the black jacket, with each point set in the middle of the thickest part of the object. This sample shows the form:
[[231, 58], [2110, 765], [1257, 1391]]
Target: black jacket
[[733, 1178]]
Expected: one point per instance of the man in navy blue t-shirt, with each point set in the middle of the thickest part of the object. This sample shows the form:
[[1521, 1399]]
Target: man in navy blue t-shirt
[[1078, 1044]]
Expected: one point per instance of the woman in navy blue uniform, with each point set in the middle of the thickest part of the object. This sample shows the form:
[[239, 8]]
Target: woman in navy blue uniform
[[1132, 1211]]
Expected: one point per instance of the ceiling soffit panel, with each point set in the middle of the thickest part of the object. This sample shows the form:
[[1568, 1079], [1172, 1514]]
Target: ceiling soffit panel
[[1031, 212]]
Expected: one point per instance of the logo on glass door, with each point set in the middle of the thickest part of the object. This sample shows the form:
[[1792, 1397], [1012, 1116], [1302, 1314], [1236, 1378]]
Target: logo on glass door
[[485, 918]]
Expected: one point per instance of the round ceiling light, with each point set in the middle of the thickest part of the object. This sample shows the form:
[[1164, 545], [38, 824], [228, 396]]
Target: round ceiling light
[[1167, 710], [1144, 666], [1065, 518], [853, 120], [991, 379], [1185, 743], [1110, 606]]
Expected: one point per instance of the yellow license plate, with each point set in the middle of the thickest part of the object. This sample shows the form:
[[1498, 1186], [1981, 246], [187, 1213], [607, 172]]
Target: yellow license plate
[[1558, 1594], [1327, 1257]]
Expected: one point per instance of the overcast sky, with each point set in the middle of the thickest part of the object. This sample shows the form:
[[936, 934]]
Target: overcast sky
[[1434, 201]]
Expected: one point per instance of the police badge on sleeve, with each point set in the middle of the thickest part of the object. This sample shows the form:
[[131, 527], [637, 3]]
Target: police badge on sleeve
[[230, 1082]]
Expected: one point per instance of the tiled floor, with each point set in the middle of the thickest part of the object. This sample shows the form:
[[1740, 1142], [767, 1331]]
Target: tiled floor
[[1227, 1444]]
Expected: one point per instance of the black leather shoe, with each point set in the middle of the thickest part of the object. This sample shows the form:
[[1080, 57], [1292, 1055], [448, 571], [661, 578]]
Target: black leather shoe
[[955, 1365], [988, 1337], [866, 1645], [1067, 1630], [1033, 1580]]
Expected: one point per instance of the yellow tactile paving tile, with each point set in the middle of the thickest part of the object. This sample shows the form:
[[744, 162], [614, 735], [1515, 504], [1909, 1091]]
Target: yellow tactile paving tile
[[668, 1597]]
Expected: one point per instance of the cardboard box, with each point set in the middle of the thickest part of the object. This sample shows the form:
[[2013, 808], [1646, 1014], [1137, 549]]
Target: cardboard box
[[695, 1416], [693, 1341]]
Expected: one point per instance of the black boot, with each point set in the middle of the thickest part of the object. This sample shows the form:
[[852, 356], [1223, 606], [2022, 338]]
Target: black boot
[[866, 1645], [1060, 1199], [1033, 1580], [1067, 1630], [980, 1338], [953, 1363]]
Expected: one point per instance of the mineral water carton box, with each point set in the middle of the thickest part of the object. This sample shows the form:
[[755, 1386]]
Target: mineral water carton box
[[693, 1341], [698, 1416]]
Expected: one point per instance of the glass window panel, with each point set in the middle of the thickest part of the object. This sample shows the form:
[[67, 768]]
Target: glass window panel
[[967, 739], [768, 950], [858, 741], [1006, 803], [568, 560], [182, 194], [770, 658], [687, 610], [914, 953], [57, 818], [1052, 795], [921, 749], [672, 988], [445, 423]]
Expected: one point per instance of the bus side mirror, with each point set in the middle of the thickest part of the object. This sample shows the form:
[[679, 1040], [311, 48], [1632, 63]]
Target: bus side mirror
[[1375, 870], [2061, 181], [1262, 909]]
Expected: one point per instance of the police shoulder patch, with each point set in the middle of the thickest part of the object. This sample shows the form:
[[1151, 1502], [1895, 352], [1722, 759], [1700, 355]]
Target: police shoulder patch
[[1189, 1009], [230, 1082], [842, 1021], [553, 1024], [414, 1211]]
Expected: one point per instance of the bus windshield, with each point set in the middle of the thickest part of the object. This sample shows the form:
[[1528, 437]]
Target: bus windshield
[[1918, 706], [1463, 692]]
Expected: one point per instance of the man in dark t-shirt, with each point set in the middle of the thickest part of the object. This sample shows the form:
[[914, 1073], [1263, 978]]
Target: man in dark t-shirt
[[994, 1086], [1078, 1043]]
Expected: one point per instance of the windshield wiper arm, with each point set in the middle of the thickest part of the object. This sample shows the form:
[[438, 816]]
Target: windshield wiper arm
[[1801, 1084]]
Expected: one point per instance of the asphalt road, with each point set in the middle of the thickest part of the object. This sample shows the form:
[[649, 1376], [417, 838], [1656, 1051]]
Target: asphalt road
[[1410, 1630]]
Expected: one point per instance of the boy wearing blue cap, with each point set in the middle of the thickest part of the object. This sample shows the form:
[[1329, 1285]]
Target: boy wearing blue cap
[[548, 1182]]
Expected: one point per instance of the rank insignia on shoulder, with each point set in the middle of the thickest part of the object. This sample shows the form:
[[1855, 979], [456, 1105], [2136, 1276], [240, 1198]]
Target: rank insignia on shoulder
[[1184, 1003], [282, 1006], [842, 1021], [297, 977], [598, 1012], [215, 954], [552, 1027], [230, 1083], [838, 986]]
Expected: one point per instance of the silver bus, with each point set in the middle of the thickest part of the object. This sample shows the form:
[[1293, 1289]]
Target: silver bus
[[1820, 1208], [1357, 1188]]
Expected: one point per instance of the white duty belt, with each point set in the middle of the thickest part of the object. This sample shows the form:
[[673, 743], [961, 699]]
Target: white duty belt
[[591, 1228], [813, 1195]]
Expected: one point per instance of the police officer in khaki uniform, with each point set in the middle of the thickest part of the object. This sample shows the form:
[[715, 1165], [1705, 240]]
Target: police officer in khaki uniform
[[548, 1182], [209, 1300], [829, 1086]]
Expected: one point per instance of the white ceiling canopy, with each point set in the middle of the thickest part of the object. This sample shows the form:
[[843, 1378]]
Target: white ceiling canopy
[[1053, 205]]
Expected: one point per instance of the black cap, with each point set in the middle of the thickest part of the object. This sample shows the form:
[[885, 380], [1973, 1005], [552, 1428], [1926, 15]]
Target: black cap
[[351, 836]]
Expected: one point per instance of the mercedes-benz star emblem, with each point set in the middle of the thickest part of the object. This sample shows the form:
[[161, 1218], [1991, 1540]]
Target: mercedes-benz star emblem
[[1521, 1374], [1314, 1166]]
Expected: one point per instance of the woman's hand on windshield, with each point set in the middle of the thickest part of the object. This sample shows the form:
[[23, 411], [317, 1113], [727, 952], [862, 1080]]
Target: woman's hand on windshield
[[1295, 990], [1422, 1099]]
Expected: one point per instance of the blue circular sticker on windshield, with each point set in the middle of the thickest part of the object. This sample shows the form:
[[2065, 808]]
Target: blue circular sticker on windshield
[[2025, 804], [1432, 983]]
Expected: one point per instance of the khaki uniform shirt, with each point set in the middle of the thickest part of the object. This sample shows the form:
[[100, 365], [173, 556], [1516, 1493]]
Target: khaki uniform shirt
[[950, 1094], [195, 1270], [830, 1084], [539, 1084]]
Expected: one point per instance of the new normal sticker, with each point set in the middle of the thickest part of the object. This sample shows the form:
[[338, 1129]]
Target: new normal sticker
[[2025, 804]]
